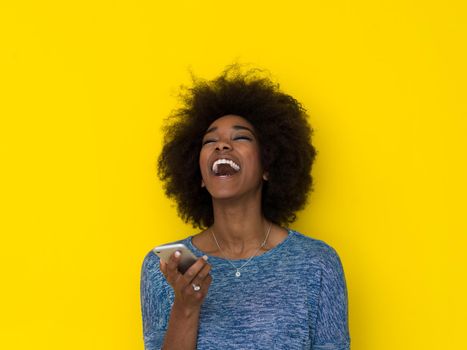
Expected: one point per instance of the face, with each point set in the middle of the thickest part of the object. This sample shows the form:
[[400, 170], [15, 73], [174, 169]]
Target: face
[[229, 160]]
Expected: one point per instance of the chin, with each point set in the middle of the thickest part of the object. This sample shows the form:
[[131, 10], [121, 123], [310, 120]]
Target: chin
[[231, 194], [223, 194]]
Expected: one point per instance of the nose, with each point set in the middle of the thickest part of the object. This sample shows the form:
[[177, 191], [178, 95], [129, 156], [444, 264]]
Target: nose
[[223, 145]]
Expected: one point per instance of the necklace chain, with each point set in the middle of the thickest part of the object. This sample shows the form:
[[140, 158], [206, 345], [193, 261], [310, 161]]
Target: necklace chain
[[237, 273]]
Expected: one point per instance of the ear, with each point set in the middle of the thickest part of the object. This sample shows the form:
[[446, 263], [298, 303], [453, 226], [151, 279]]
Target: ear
[[266, 176]]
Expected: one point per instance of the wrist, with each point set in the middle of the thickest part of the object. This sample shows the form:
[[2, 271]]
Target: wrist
[[185, 311]]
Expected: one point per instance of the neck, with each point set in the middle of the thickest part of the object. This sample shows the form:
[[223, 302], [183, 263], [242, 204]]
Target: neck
[[239, 226]]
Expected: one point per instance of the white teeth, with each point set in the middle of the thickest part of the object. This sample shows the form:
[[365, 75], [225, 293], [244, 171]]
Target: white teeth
[[234, 165]]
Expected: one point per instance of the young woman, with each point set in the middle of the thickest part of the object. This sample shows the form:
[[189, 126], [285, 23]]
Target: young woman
[[237, 159]]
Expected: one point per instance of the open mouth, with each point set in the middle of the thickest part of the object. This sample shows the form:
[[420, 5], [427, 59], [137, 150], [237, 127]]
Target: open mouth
[[225, 167]]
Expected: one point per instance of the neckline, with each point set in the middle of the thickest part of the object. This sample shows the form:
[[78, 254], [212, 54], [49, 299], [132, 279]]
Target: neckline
[[195, 249]]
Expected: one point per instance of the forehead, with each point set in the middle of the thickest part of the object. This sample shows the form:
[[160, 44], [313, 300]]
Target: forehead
[[229, 122]]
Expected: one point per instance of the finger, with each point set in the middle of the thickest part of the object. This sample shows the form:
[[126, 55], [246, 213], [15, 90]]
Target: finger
[[172, 272], [190, 274], [172, 264], [163, 267], [202, 274], [203, 291], [203, 280], [173, 261]]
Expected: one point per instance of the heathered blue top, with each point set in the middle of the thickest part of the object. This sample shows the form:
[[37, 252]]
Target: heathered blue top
[[293, 296]]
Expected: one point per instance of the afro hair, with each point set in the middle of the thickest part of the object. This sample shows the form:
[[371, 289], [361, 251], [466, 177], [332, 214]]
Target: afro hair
[[283, 132]]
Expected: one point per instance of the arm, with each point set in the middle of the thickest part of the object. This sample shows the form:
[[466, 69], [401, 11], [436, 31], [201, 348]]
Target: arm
[[155, 303], [182, 329], [162, 321], [331, 328]]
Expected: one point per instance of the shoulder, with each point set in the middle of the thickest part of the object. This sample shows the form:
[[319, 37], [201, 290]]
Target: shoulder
[[150, 261], [315, 250], [150, 270]]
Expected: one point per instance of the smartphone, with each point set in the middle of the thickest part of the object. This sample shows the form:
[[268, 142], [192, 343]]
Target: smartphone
[[186, 259]]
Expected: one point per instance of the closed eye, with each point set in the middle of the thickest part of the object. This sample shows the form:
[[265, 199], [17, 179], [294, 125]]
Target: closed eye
[[243, 138], [205, 142]]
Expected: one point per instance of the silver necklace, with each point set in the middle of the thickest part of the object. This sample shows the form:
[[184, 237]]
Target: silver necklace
[[237, 272]]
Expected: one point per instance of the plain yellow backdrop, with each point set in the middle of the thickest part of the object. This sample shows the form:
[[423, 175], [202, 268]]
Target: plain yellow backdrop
[[84, 90]]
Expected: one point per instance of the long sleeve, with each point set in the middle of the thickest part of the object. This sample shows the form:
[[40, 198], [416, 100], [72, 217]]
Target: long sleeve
[[155, 303], [331, 329]]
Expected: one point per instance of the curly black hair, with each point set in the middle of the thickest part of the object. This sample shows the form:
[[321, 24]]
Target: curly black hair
[[283, 132]]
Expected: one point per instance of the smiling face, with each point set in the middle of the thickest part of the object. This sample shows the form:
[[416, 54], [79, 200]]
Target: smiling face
[[229, 160]]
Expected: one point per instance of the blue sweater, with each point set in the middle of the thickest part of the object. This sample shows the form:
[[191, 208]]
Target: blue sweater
[[293, 296]]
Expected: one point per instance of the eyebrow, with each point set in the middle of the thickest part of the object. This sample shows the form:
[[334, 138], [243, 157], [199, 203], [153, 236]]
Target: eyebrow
[[236, 127]]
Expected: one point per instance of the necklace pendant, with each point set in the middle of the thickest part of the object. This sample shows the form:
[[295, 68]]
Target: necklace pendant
[[238, 274]]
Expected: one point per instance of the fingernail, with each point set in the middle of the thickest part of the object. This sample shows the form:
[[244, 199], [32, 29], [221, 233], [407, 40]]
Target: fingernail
[[205, 257], [177, 254]]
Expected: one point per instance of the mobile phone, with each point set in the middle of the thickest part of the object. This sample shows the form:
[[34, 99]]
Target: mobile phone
[[186, 259]]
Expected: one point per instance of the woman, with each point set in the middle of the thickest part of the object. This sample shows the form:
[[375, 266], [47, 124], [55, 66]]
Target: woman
[[237, 159]]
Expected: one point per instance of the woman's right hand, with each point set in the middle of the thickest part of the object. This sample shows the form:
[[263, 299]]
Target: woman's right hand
[[184, 284]]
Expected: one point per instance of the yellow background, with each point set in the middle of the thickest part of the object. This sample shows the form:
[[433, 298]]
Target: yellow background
[[85, 86]]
